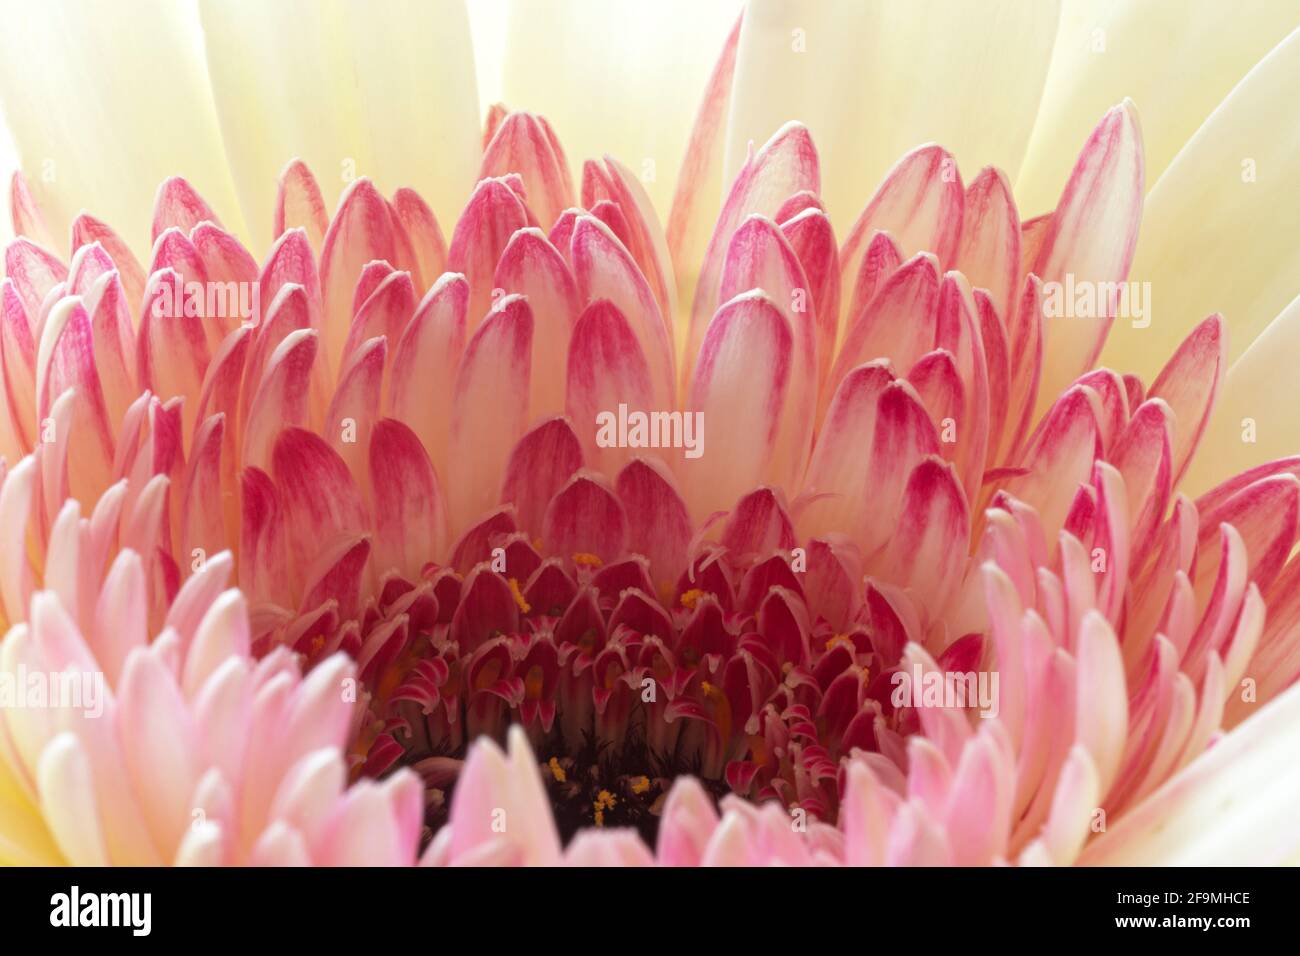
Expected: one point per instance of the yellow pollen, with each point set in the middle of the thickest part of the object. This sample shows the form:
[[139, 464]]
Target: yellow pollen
[[691, 598], [557, 771], [600, 819], [640, 784], [317, 643], [587, 559], [838, 639], [524, 606], [709, 691]]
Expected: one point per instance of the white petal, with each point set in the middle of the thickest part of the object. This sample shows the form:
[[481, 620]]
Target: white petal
[[101, 115], [1218, 229], [384, 90], [873, 80], [617, 78], [1176, 59]]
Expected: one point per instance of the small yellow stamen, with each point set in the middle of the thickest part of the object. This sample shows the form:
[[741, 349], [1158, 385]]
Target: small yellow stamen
[[557, 771], [691, 598], [600, 819], [838, 639], [640, 784], [317, 643], [588, 560], [524, 606]]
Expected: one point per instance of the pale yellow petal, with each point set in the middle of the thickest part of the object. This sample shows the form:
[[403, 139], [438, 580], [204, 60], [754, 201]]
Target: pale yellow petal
[[1232, 806], [105, 105], [384, 90], [1176, 59], [1219, 228], [622, 79], [8, 166], [1255, 419], [873, 80]]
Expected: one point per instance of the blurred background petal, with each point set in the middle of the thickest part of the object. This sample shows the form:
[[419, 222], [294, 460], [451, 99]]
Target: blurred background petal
[[104, 103], [1176, 59], [622, 79], [873, 80], [385, 90]]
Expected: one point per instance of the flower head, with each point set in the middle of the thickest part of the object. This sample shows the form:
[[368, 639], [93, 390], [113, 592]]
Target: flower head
[[842, 519]]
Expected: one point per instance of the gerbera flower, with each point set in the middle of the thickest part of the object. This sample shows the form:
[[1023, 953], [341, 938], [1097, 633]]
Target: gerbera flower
[[679, 511]]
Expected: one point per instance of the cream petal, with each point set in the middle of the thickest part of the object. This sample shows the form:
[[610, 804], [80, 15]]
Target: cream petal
[[621, 79], [1214, 227], [1234, 805], [394, 101], [1176, 59], [1254, 418], [964, 75], [68, 81]]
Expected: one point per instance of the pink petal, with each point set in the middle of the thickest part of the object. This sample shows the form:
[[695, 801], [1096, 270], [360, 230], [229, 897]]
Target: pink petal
[[540, 465], [159, 747], [585, 517], [699, 180], [1058, 459], [172, 348], [354, 410], [494, 214], [489, 408], [26, 214], [611, 180], [425, 363], [928, 550], [605, 270], [362, 231], [320, 497], [299, 204], [34, 272], [179, 206], [86, 229], [281, 397], [385, 313], [1189, 383], [812, 238], [903, 436], [988, 253], [1091, 237], [760, 258], [785, 165], [658, 522], [522, 143], [919, 204], [606, 369], [421, 227], [410, 517], [531, 267], [899, 322], [740, 388]]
